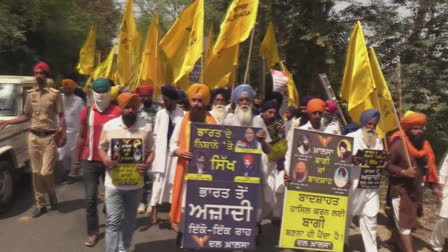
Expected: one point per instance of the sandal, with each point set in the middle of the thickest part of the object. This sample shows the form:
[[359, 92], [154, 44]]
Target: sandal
[[91, 240]]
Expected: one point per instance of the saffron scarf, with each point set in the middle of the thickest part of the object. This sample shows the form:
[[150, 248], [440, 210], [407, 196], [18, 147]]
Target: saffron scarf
[[427, 151], [182, 165]]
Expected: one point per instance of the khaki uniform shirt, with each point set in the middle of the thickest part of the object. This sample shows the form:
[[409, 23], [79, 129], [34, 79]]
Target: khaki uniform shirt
[[43, 105]]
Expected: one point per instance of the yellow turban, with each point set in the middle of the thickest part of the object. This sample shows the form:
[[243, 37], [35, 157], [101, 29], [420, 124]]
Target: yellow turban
[[114, 92], [69, 83], [200, 89], [412, 119], [126, 99]]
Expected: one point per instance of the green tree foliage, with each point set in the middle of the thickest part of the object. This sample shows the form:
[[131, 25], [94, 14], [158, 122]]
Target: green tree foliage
[[52, 31]]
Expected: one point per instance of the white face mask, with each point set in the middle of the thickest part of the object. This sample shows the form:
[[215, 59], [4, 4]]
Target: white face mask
[[102, 101]]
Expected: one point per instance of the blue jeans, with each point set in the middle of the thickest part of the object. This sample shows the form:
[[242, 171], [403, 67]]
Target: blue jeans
[[92, 173], [119, 202]]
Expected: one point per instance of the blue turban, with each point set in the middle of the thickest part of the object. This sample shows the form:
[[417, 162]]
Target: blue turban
[[241, 89], [170, 92], [304, 100], [351, 127], [368, 114], [271, 104]]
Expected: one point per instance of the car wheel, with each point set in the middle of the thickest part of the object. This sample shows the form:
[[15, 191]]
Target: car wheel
[[6, 185]]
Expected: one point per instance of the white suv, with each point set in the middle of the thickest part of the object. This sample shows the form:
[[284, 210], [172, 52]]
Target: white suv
[[14, 161]]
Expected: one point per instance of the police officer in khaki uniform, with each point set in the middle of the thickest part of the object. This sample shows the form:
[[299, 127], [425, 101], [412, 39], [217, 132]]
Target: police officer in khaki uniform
[[44, 106]]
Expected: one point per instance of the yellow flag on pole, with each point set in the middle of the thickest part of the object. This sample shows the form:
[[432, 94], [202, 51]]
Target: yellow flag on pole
[[129, 47], [105, 69], [151, 69], [268, 47], [237, 25], [183, 43], [293, 94], [218, 71], [358, 84], [388, 120], [87, 53], [209, 49]]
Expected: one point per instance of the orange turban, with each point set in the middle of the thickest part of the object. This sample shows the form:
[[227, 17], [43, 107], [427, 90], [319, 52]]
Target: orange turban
[[412, 119], [200, 89], [126, 99], [315, 104], [69, 83]]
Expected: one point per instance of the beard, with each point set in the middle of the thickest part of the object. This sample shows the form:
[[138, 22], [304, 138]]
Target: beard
[[147, 104], [129, 119], [369, 136], [244, 115], [417, 141], [197, 114], [219, 112]]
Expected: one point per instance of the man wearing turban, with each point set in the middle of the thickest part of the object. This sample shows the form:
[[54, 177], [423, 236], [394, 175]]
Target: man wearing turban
[[92, 119], [243, 96], [314, 110], [44, 108], [122, 199], [146, 112], [219, 105], [199, 97], [73, 105], [364, 202], [164, 164], [330, 118], [405, 179]]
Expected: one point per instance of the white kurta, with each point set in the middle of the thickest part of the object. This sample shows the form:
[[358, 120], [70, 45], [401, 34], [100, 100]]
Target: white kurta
[[164, 164], [440, 230], [363, 202], [72, 109]]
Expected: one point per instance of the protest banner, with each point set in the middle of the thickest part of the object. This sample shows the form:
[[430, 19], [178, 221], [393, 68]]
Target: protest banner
[[372, 167], [315, 208], [279, 143], [127, 152], [279, 81], [222, 188]]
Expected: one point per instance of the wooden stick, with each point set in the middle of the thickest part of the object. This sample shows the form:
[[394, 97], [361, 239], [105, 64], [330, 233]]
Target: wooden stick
[[155, 65], [249, 55], [202, 67], [234, 78], [403, 142], [331, 95], [377, 100]]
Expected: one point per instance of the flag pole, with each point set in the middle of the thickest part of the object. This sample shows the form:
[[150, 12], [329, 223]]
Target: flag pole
[[381, 122], [156, 47], [234, 77], [202, 67], [249, 55], [405, 147]]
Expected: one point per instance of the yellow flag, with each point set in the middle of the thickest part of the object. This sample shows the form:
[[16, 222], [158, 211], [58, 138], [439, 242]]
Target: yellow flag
[[151, 69], [129, 48], [87, 54], [218, 71], [209, 49], [183, 43], [237, 25], [293, 94], [358, 84], [388, 120], [105, 69], [268, 47]]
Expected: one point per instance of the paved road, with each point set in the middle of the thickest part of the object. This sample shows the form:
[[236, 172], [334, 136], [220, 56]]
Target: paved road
[[65, 229]]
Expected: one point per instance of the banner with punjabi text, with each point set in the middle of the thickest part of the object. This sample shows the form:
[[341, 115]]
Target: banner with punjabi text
[[315, 208], [127, 152], [372, 167], [222, 188]]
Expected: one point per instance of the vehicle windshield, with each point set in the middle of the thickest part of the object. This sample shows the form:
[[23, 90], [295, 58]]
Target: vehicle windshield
[[8, 100]]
